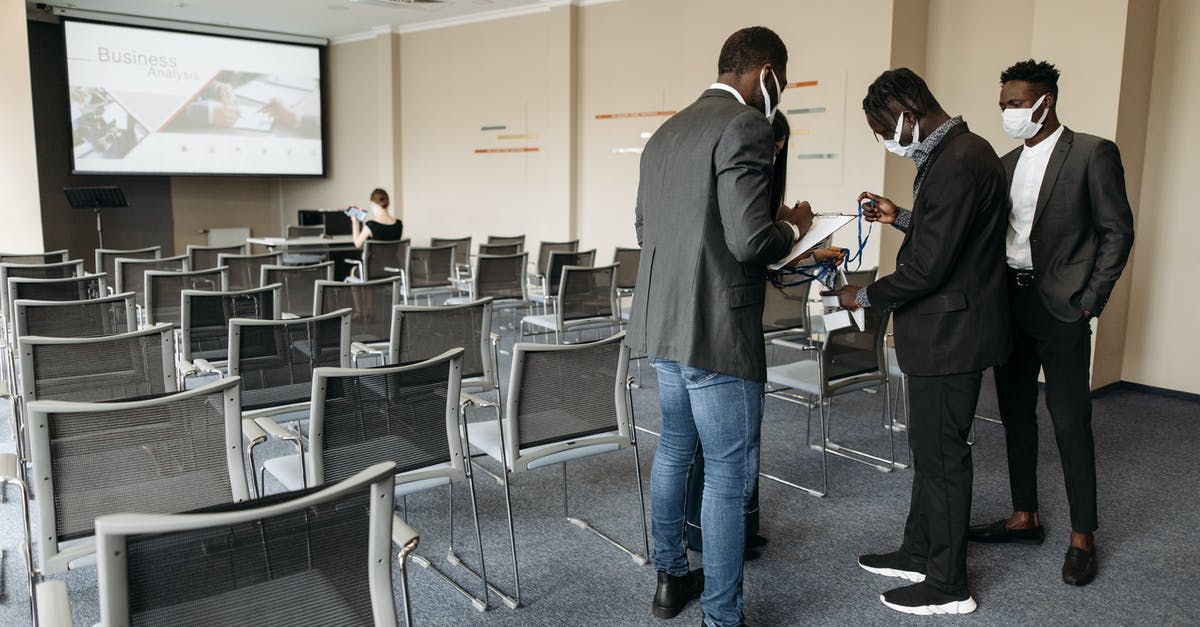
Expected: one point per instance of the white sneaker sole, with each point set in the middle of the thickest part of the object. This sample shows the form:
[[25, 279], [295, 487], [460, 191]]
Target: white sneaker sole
[[909, 575], [953, 607]]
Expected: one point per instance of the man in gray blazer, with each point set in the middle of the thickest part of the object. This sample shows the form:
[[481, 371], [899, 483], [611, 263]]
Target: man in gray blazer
[[705, 227], [1069, 234]]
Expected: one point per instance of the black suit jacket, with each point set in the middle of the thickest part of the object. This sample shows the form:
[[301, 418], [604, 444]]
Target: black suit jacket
[[948, 291], [1082, 224], [704, 223]]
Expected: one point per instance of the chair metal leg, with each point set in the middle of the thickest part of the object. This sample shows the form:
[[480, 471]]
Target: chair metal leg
[[791, 398], [402, 560], [855, 455], [26, 546]]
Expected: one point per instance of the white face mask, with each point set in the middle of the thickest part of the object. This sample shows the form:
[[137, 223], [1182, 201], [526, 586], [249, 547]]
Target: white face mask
[[1019, 124], [768, 110], [893, 144]]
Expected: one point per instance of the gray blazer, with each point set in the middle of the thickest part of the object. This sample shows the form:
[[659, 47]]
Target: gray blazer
[[704, 224], [1082, 224]]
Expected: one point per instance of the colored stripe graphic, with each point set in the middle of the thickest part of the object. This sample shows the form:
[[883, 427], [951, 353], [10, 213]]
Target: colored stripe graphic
[[801, 84], [489, 151], [500, 127], [818, 155], [806, 110], [637, 114], [519, 136]]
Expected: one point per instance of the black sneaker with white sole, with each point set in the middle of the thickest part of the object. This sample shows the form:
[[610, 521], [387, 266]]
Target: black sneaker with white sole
[[894, 564], [923, 599]]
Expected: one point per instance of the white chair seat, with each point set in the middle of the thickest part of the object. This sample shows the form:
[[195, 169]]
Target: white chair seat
[[802, 376], [485, 436], [545, 321]]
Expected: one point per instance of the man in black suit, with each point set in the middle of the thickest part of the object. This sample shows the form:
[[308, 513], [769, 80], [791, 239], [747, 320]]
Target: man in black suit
[[950, 317], [1069, 235], [704, 222]]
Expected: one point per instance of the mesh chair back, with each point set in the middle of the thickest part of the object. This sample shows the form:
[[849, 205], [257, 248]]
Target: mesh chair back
[[545, 248], [276, 358], [501, 277], [786, 308], [501, 249], [559, 393], [299, 284], [245, 270], [106, 258], [72, 288], [205, 257], [110, 315], [372, 302], [164, 454], [424, 332], [430, 267], [206, 317], [294, 231], [861, 277], [138, 363], [586, 293], [462, 247], [131, 273], [54, 256], [852, 355], [495, 240], [379, 255], [561, 259], [313, 557], [8, 271], [627, 268], [404, 414], [164, 291]]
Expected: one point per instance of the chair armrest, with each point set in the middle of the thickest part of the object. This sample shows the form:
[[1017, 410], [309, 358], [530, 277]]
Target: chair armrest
[[53, 604], [10, 468], [251, 431], [404, 536], [495, 337], [802, 345], [358, 348], [467, 397], [274, 430], [288, 316]]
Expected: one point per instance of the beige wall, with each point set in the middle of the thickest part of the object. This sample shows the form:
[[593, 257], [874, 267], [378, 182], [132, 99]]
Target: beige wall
[[514, 73], [626, 65], [200, 203], [21, 210], [1162, 345]]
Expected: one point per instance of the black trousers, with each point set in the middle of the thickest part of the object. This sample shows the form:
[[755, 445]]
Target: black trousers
[[1063, 350], [935, 534], [693, 499]]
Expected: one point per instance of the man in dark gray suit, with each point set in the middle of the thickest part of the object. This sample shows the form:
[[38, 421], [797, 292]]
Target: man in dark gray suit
[[1069, 234], [705, 227]]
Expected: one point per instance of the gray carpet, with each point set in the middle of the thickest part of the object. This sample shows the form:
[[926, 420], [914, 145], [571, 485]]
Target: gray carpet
[[808, 573]]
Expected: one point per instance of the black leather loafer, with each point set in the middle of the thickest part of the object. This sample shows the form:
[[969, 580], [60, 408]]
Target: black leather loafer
[[1079, 569], [996, 533], [673, 593]]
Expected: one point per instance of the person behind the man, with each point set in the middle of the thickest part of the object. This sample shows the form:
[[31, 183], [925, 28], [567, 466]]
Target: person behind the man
[[948, 298], [1069, 236], [704, 224]]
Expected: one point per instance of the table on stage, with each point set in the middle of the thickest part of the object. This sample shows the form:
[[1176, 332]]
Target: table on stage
[[339, 247]]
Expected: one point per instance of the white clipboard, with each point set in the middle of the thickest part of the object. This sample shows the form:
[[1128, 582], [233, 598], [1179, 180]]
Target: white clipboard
[[822, 227]]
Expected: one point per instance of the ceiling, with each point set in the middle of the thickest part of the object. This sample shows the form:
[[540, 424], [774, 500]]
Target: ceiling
[[318, 18]]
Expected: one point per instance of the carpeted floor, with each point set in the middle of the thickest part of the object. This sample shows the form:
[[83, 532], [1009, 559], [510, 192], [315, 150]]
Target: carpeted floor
[[1146, 444]]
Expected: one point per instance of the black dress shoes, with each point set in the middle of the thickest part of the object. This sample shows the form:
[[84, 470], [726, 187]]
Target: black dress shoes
[[996, 532], [673, 593], [1079, 569]]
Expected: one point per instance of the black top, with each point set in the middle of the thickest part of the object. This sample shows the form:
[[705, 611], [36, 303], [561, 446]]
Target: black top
[[386, 232], [948, 291]]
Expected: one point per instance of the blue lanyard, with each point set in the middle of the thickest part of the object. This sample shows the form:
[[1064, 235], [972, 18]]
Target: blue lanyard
[[857, 257]]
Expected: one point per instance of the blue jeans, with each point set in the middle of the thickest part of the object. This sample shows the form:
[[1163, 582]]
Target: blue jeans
[[724, 414]]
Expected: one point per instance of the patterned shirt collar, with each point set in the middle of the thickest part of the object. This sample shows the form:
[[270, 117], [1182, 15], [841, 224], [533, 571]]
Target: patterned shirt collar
[[921, 156]]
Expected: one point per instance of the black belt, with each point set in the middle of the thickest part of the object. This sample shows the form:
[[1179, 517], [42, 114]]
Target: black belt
[[1020, 278]]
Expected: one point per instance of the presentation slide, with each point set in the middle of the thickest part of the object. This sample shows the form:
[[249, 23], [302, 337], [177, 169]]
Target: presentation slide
[[160, 102]]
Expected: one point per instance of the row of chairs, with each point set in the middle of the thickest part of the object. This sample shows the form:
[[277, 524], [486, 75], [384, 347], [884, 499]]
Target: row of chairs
[[315, 346]]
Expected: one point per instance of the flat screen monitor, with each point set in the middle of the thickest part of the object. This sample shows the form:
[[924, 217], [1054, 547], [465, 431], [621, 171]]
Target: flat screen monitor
[[150, 101]]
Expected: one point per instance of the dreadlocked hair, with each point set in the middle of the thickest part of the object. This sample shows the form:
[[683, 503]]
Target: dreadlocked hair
[[900, 87]]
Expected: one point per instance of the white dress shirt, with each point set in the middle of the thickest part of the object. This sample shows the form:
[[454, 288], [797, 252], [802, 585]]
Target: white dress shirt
[[1026, 185]]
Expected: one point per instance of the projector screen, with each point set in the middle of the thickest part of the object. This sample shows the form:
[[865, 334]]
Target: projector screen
[[146, 101]]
